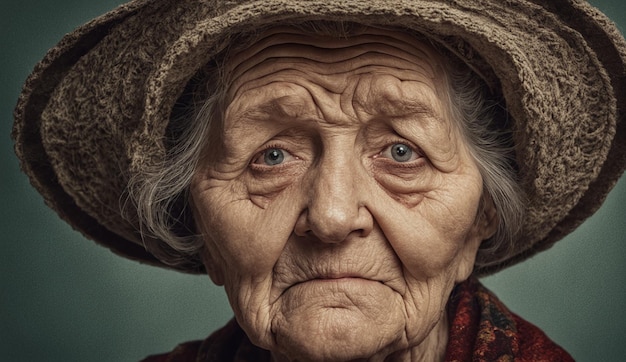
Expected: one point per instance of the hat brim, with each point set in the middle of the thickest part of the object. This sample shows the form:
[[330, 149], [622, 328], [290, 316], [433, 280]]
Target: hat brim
[[96, 109]]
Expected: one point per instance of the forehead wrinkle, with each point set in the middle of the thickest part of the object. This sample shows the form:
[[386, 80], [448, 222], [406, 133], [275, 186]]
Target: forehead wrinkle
[[291, 35], [331, 75], [325, 55], [330, 55], [282, 35], [325, 63]]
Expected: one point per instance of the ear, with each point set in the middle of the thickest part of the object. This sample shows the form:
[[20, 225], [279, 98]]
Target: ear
[[484, 227], [487, 218]]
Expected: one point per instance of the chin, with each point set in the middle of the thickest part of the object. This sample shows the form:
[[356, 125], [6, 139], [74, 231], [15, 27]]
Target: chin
[[337, 334]]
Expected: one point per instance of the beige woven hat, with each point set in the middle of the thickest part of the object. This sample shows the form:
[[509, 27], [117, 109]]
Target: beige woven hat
[[96, 108]]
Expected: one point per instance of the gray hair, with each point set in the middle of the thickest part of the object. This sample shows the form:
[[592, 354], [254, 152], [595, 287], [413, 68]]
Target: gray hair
[[161, 195], [485, 125]]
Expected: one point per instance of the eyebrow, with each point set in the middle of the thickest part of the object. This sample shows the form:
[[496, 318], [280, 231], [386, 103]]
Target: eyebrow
[[274, 108], [283, 108], [399, 108], [417, 107]]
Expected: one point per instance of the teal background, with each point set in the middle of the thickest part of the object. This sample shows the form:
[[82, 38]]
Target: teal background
[[63, 298]]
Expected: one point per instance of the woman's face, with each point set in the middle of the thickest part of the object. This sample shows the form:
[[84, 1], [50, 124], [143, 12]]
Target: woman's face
[[341, 206]]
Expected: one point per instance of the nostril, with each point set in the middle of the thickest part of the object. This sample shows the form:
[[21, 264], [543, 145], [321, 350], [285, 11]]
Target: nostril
[[303, 233], [301, 227]]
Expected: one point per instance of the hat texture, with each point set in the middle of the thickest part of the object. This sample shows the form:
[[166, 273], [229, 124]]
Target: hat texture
[[96, 108]]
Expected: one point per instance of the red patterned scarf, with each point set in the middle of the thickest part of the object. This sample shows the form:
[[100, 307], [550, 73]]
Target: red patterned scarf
[[483, 329]]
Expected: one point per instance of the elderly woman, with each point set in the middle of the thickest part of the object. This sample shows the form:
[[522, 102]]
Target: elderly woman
[[345, 170]]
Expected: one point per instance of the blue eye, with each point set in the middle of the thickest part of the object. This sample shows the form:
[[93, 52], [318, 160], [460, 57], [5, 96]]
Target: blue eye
[[399, 152], [273, 156]]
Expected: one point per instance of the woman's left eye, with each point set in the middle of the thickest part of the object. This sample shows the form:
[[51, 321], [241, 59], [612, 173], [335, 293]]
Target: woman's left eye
[[400, 152], [272, 157]]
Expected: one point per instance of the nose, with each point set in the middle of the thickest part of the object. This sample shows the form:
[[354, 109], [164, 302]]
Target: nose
[[335, 207]]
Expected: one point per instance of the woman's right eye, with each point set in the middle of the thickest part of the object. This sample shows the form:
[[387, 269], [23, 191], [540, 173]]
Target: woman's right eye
[[400, 152], [272, 157]]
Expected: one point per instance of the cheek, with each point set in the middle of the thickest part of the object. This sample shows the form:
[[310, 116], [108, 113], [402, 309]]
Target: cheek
[[424, 252], [245, 239], [429, 237]]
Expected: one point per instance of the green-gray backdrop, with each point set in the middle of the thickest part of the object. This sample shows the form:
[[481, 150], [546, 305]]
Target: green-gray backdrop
[[64, 299]]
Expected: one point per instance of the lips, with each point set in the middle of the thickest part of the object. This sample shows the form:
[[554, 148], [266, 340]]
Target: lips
[[338, 278], [339, 291], [343, 279], [349, 263]]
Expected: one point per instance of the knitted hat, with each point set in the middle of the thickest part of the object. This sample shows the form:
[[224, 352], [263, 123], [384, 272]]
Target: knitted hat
[[95, 110]]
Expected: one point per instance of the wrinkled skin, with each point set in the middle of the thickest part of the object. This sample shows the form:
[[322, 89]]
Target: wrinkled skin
[[341, 207]]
